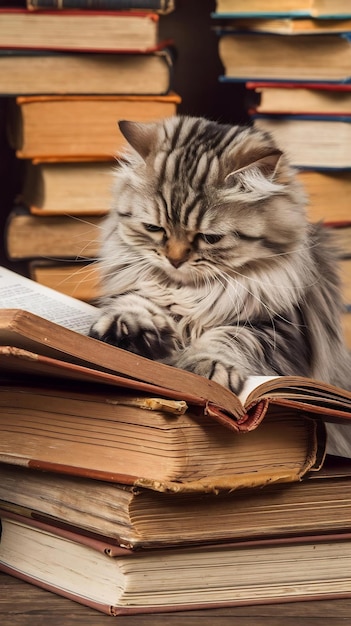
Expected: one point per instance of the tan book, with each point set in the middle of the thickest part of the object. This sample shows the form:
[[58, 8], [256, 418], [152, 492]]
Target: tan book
[[142, 518], [55, 187], [51, 236], [158, 443], [44, 126], [24, 72], [265, 56], [78, 279], [294, 98], [328, 194], [298, 7], [300, 138], [111, 31], [118, 581]]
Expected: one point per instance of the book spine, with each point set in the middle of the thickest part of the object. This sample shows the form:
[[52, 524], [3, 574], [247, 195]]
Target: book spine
[[161, 6]]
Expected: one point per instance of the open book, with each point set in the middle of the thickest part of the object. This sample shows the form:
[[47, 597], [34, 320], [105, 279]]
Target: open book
[[43, 332]]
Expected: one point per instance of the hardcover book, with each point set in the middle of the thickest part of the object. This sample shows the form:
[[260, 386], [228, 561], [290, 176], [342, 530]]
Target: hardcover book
[[115, 580], [137, 517], [91, 31], [43, 126], [315, 142], [296, 98], [275, 8], [46, 236], [126, 436], [76, 278], [322, 187], [55, 187], [28, 72], [160, 6], [262, 56]]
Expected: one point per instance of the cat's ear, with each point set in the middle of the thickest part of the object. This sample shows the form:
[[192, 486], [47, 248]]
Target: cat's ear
[[139, 136], [264, 167]]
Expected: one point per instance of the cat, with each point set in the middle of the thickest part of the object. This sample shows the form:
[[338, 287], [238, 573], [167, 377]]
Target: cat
[[208, 260]]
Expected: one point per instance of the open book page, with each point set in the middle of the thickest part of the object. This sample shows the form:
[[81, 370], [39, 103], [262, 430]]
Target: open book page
[[18, 292], [251, 383]]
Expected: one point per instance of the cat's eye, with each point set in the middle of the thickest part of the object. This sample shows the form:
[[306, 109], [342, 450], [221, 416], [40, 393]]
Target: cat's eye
[[152, 228], [245, 237], [210, 238]]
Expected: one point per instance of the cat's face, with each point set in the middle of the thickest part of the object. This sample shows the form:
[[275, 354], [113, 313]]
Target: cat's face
[[198, 198]]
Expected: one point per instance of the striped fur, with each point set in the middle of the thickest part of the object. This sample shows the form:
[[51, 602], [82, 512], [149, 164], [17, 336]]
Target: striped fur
[[209, 263]]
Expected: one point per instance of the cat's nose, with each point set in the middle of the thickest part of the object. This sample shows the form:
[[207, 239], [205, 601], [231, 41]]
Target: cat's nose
[[176, 262], [177, 252]]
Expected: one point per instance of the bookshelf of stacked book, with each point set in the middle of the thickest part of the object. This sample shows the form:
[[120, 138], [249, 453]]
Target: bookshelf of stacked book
[[69, 75], [294, 59]]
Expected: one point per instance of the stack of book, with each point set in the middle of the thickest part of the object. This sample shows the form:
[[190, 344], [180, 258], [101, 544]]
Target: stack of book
[[153, 489], [295, 59], [70, 75]]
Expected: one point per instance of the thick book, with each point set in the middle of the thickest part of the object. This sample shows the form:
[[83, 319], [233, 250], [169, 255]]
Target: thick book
[[50, 324], [125, 436], [55, 187], [138, 518], [43, 126], [76, 278], [90, 31], [275, 8], [117, 581], [294, 98], [25, 72], [262, 56], [322, 187], [300, 137], [30, 236], [160, 6]]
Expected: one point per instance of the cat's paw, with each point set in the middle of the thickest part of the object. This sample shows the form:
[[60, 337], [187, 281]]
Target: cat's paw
[[136, 331], [215, 369]]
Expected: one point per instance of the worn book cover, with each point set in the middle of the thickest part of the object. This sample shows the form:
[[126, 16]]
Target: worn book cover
[[138, 517], [117, 581]]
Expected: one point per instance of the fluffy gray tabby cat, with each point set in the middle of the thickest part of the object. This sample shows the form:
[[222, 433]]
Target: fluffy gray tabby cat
[[209, 263]]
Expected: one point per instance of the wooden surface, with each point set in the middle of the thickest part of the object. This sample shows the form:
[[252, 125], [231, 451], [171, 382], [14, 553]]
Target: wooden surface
[[22, 604]]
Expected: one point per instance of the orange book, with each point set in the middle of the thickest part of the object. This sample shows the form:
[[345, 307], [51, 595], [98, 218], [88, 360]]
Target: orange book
[[79, 126]]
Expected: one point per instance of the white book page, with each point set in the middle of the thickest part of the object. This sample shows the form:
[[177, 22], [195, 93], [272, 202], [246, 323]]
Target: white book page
[[250, 385], [18, 292]]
